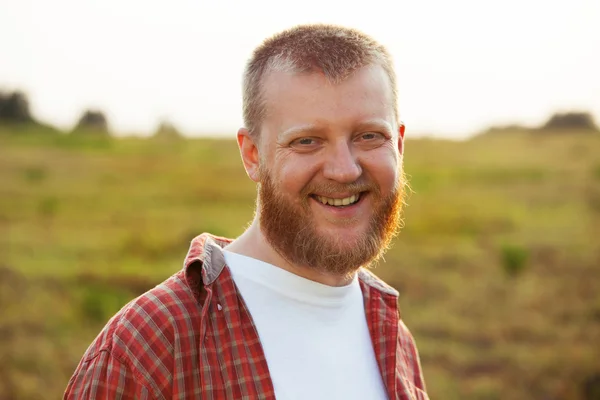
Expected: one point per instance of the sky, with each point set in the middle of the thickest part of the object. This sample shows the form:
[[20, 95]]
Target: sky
[[462, 65]]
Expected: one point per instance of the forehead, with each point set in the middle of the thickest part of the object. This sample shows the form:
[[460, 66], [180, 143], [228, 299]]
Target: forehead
[[310, 98]]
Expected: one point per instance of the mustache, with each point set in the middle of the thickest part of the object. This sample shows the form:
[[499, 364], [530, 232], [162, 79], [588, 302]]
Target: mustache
[[330, 188]]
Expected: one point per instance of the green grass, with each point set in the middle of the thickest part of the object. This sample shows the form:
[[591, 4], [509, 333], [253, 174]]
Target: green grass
[[498, 264]]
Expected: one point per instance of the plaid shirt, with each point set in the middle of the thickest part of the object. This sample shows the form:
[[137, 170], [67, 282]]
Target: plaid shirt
[[192, 337]]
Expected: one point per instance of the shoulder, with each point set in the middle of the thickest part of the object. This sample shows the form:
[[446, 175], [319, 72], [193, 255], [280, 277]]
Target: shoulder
[[406, 343], [149, 327], [135, 354], [409, 354], [383, 301]]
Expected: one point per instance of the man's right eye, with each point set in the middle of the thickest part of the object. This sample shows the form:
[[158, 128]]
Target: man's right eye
[[305, 143]]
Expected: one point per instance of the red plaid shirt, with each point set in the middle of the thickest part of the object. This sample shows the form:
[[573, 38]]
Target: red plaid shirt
[[192, 337]]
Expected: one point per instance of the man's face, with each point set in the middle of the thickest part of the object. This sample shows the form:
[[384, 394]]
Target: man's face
[[330, 169]]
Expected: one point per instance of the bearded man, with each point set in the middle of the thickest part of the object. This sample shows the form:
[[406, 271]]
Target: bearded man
[[287, 310]]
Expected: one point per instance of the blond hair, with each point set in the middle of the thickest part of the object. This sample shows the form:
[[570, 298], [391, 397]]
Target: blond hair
[[333, 50]]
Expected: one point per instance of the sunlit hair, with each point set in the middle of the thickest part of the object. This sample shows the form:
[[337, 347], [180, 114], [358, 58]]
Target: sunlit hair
[[333, 50]]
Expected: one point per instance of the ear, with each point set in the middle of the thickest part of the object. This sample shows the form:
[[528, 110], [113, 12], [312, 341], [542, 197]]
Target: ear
[[401, 128], [249, 152]]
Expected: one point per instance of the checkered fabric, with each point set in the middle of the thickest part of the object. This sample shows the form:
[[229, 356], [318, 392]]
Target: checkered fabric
[[192, 337]]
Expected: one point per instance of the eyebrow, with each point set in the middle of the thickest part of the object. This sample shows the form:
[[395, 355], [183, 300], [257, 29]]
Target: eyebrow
[[376, 124], [302, 129]]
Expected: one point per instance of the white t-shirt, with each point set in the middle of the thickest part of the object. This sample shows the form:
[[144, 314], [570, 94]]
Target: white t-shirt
[[315, 337]]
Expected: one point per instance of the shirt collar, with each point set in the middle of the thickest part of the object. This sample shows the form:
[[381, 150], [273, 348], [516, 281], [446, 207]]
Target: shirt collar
[[205, 262]]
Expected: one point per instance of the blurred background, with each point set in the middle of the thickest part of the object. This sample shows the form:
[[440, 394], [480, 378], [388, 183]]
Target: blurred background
[[117, 127]]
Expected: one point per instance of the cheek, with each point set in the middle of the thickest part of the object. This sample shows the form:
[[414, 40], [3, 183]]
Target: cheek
[[293, 175], [389, 179], [384, 169]]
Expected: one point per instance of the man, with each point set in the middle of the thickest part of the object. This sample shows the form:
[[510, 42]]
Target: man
[[287, 310]]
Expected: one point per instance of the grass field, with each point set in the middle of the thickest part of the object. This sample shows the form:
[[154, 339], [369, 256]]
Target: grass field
[[498, 265]]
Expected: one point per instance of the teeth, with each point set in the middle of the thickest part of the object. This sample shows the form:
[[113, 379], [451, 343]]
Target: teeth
[[339, 202]]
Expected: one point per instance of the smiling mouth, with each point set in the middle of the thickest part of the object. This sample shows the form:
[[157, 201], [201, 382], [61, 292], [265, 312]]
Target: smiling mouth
[[346, 201]]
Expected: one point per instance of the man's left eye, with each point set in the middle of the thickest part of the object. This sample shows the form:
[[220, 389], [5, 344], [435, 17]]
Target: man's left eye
[[370, 136]]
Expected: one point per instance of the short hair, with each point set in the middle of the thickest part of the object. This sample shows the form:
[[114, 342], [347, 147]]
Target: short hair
[[334, 50]]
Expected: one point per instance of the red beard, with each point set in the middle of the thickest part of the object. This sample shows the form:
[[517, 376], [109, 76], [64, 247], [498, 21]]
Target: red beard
[[287, 228]]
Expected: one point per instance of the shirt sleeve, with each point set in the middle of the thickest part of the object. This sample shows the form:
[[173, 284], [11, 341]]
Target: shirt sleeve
[[104, 377]]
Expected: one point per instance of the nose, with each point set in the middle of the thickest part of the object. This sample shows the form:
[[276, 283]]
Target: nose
[[341, 164]]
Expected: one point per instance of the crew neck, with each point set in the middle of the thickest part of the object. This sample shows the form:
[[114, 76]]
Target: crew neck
[[289, 284]]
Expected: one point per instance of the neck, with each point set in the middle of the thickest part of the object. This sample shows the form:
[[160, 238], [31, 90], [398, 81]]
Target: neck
[[253, 243]]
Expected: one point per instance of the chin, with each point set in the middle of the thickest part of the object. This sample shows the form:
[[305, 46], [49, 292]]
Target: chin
[[342, 236]]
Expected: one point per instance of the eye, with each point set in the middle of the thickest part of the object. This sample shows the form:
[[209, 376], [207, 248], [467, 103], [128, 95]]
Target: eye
[[371, 138], [305, 143]]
